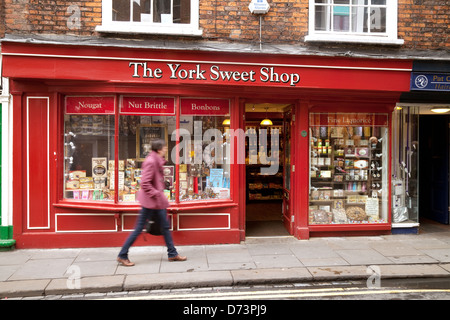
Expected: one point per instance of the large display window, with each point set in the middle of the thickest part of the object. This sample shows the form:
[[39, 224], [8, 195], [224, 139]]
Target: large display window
[[197, 168], [348, 168]]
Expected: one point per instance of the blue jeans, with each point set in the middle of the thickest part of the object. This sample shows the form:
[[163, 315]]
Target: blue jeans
[[144, 215]]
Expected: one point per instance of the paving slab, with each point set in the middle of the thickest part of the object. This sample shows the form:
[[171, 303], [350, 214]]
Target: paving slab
[[85, 285], [314, 251], [320, 262], [412, 271], [363, 257], [413, 259], [395, 248], [23, 288], [96, 268], [42, 269], [339, 272], [445, 266], [442, 255], [178, 280], [277, 260], [7, 271], [268, 276]]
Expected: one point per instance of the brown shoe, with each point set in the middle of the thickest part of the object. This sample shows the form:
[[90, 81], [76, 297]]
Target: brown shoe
[[178, 258], [125, 262]]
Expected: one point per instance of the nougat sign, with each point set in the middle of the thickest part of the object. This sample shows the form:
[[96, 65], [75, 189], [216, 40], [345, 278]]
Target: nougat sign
[[215, 73]]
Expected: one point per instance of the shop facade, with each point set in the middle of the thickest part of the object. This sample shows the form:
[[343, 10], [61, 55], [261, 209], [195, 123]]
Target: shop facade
[[421, 148], [84, 116]]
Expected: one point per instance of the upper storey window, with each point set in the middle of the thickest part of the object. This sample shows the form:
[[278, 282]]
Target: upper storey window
[[177, 17], [364, 21]]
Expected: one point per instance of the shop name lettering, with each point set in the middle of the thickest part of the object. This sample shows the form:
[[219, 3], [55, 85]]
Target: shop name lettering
[[214, 73]]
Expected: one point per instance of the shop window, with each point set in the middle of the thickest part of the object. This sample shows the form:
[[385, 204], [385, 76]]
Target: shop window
[[88, 148], [348, 168], [370, 21], [203, 158], [204, 171], [150, 16]]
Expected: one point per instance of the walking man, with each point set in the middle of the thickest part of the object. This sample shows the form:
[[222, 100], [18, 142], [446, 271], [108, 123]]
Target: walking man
[[153, 202]]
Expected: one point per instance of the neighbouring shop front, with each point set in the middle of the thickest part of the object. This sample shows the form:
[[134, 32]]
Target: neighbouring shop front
[[84, 118], [421, 149]]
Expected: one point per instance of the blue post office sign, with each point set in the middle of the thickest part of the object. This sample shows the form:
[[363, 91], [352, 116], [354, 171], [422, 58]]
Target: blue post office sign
[[430, 81]]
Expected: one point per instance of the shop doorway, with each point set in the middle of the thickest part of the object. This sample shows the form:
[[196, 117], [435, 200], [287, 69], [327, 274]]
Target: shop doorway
[[420, 166], [268, 160], [434, 167]]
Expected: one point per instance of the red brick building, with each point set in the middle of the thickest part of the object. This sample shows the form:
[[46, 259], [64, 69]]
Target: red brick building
[[92, 82]]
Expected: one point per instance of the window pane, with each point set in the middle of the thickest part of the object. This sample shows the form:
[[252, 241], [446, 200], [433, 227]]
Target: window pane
[[141, 10], [135, 136], [89, 146], [379, 2], [204, 158], [121, 10], [359, 19], [181, 11], [321, 18], [161, 11], [341, 21], [377, 19], [341, 1]]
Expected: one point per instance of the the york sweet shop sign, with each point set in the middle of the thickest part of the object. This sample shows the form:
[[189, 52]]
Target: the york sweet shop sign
[[214, 73]]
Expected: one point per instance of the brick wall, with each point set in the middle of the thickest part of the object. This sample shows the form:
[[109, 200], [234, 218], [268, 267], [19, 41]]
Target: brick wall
[[52, 16], [423, 24], [286, 22]]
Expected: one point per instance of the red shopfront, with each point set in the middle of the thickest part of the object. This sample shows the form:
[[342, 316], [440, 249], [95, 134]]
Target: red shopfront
[[84, 116]]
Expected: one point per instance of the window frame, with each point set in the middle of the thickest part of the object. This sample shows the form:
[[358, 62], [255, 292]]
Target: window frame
[[108, 25], [389, 37]]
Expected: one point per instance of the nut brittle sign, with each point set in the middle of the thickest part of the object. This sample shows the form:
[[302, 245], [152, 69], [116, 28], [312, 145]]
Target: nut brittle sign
[[159, 106], [215, 73]]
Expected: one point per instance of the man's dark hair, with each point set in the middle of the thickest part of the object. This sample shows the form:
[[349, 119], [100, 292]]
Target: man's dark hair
[[158, 145]]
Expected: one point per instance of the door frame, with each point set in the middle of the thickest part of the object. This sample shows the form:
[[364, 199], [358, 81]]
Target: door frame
[[289, 223], [288, 203]]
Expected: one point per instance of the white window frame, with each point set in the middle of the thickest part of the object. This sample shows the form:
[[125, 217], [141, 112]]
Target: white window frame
[[389, 37], [108, 25]]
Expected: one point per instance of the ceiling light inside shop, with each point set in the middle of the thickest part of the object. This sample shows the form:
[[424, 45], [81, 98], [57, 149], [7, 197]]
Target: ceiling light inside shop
[[266, 121], [440, 109]]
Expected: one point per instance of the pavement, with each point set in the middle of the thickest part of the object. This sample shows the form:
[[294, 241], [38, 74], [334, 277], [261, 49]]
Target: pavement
[[257, 261]]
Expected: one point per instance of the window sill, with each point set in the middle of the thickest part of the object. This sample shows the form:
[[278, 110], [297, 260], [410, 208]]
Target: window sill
[[135, 207], [353, 39], [161, 29]]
